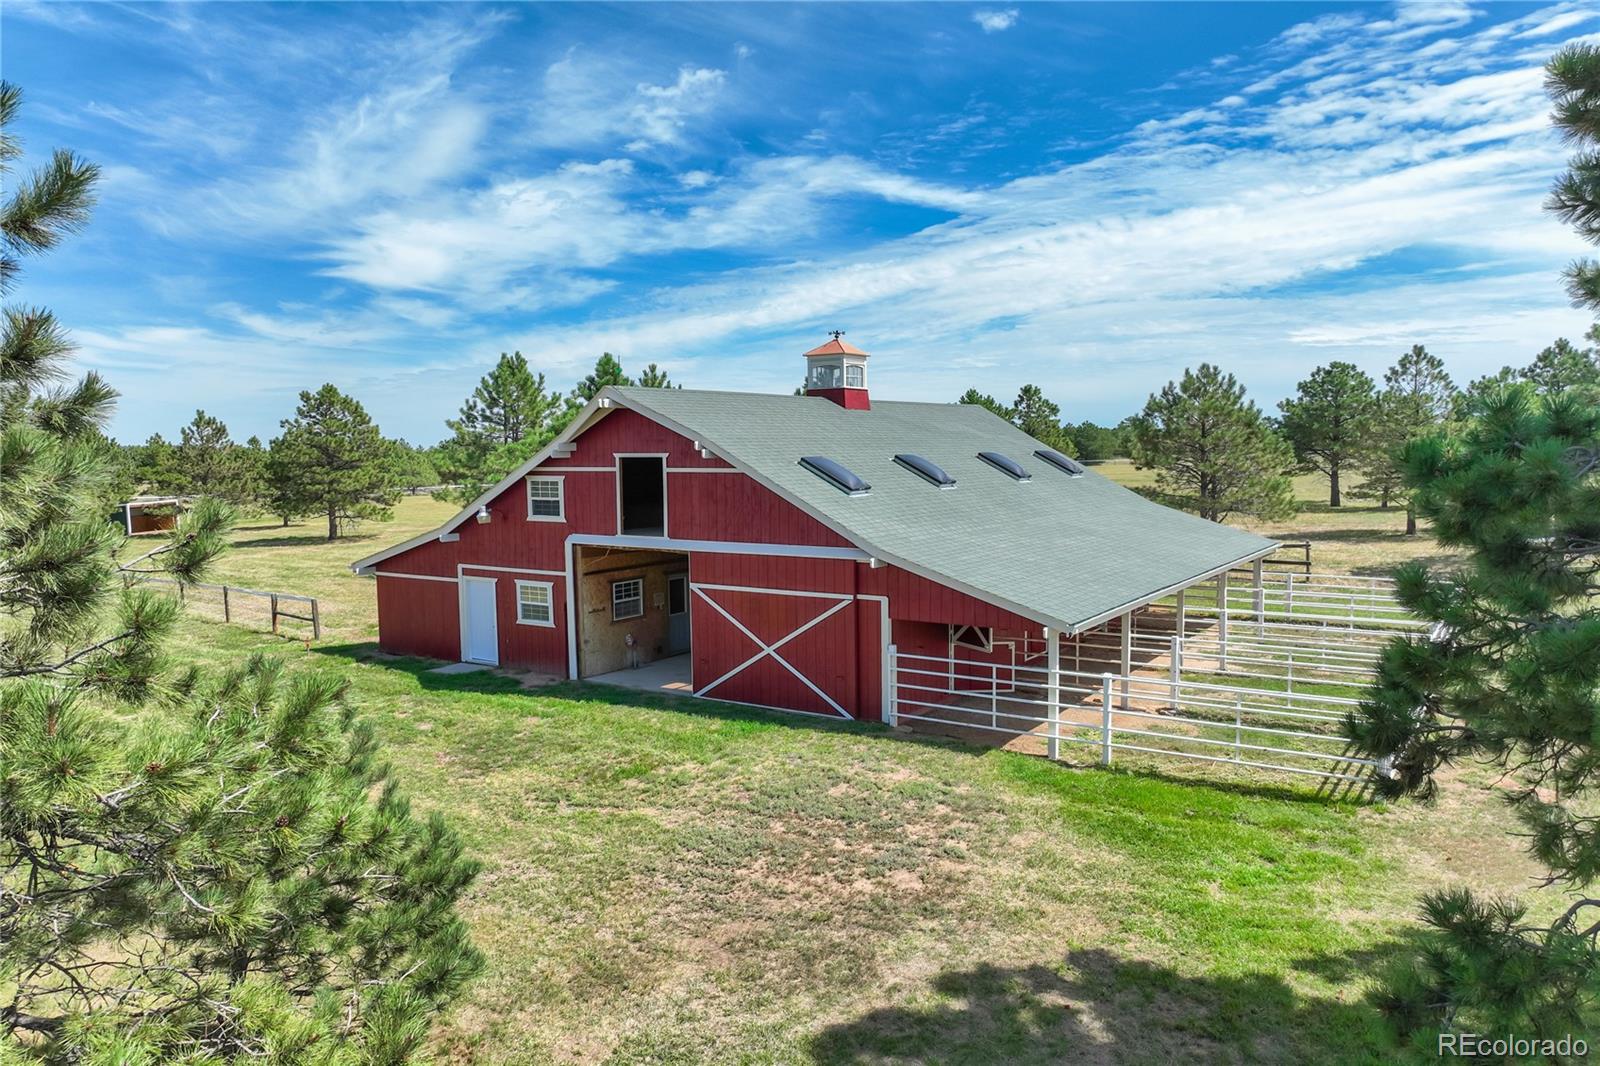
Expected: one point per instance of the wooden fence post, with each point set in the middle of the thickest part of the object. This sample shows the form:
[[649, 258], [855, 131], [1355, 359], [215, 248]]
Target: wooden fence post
[[227, 611], [273, 601], [316, 621]]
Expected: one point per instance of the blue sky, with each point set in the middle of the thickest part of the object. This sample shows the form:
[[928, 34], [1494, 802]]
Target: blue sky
[[1089, 197]]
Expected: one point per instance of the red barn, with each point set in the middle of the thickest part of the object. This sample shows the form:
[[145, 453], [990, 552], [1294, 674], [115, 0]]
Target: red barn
[[770, 549]]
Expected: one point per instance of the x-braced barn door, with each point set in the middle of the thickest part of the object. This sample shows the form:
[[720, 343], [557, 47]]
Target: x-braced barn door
[[775, 648]]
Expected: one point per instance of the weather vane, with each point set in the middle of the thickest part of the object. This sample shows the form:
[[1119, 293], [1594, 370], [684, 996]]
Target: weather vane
[[836, 333]]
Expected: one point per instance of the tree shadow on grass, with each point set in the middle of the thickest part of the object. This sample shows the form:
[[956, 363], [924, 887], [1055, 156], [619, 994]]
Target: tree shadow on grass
[[299, 540], [1095, 1007]]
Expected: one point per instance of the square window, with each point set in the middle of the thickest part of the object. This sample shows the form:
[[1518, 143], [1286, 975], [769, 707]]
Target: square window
[[535, 604], [627, 599], [855, 375], [545, 502]]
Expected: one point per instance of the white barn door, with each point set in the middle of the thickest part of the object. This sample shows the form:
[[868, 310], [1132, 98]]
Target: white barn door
[[480, 632]]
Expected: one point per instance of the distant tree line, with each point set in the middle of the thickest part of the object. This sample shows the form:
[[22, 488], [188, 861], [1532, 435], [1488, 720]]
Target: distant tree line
[[1214, 452]]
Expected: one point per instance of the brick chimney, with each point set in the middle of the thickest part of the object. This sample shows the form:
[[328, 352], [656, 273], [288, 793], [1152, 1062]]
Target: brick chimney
[[838, 371]]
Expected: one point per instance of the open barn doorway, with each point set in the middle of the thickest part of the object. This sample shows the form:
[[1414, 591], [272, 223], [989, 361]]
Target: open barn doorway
[[633, 617]]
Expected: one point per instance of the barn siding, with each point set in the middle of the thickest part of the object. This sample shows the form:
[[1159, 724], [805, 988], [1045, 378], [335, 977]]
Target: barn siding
[[419, 618], [842, 656]]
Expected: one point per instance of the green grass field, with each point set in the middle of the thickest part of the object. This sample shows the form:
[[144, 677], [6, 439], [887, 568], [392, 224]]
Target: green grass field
[[675, 881]]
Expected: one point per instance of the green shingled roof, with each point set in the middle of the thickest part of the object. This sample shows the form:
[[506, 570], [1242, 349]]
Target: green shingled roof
[[1063, 550]]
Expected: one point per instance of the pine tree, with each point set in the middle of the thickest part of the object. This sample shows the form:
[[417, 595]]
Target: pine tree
[[64, 616], [207, 460], [251, 470], [509, 403], [1510, 672], [1328, 420], [1562, 367], [982, 399], [1212, 450], [414, 466], [155, 466], [1040, 419], [333, 461], [1511, 678], [1417, 398], [227, 874], [1573, 80], [236, 873], [656, 378], [1095, 442], [607, 371]]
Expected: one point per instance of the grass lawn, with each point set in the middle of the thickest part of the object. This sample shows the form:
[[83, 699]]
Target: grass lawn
[[675, 881]]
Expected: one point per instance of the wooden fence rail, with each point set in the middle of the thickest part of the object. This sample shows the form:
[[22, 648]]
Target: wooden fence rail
[[1293, 555], [231, 595]]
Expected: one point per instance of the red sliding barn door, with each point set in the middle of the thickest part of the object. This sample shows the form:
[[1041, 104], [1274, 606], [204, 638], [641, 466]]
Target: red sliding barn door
[[776, 648]]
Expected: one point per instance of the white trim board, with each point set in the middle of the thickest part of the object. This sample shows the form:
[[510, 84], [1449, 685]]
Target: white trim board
[[413, 577], [721, 547], [508, 569]]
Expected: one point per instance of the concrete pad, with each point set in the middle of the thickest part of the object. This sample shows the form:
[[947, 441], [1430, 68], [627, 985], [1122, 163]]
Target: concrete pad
[[664, 675], [459, 668]]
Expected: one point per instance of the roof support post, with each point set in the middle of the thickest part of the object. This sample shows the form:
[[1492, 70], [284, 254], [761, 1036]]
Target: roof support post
[[1182, 628], [1052, 642], [1261, 597], [1222, 620], [1127, 655]]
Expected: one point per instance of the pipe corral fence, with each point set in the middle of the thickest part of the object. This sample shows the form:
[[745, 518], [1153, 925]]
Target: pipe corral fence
[[1258, 676], [243, 606]]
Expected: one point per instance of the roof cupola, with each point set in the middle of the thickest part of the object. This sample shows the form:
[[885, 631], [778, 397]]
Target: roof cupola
[[837, 371]]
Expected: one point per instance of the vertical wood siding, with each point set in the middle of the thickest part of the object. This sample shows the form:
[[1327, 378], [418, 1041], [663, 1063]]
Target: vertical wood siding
[[842, 656], [419, 618]]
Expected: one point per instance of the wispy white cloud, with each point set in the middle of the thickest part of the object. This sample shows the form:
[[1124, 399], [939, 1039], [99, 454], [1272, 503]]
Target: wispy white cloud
[[662, 111], [1249, 226], [994, 21], [583, 216], [589, 99]]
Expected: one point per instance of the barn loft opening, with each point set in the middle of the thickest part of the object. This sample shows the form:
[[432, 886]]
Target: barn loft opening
[[642, 495]]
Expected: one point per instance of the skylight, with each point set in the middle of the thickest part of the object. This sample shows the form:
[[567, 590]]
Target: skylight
[[927, 469], [1061, 462], [840, 477], [1006, 464]]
